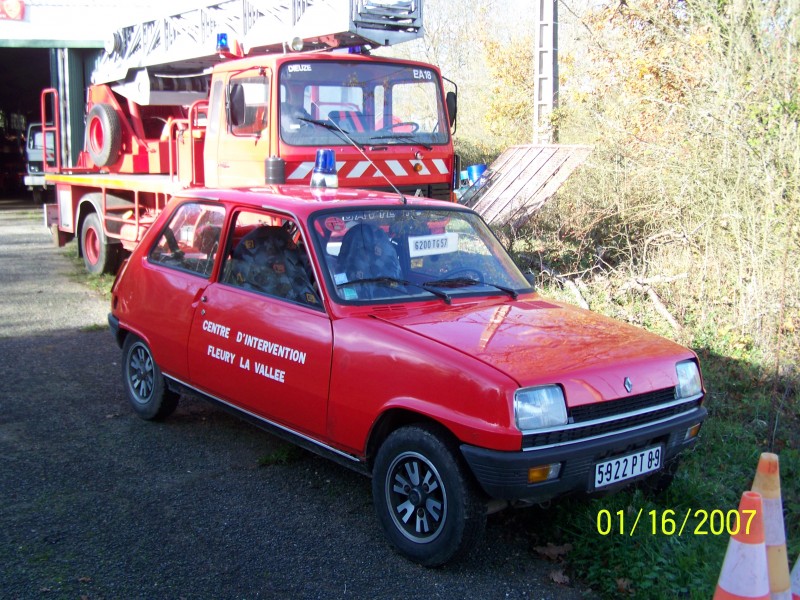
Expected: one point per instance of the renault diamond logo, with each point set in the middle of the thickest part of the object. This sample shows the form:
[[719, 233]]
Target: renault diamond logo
[[628, 384]]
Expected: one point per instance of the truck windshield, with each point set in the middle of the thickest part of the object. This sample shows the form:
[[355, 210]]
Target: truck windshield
[[373, 103], [412, 253]]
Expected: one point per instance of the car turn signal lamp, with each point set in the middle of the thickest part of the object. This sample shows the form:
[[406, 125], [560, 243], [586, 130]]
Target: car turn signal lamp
[[544, 473]]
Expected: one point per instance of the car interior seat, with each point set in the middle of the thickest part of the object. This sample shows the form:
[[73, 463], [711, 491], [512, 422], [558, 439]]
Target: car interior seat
[[267, 260], [367, 253]]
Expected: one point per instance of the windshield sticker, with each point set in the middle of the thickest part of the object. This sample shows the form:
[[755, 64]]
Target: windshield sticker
[[340, 278], [298, 68], [335, 224], [427, 245]]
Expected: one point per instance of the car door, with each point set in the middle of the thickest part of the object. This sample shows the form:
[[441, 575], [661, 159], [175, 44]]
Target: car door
[[176, 271], [261, 339]]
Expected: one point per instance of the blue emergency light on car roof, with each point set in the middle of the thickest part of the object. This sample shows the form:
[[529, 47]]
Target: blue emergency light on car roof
[[324, 174]]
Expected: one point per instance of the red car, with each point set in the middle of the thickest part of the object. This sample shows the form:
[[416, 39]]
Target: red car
[[396, 336]]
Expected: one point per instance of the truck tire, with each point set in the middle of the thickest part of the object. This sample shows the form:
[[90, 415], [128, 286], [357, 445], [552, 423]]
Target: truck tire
[[425, 499], [103, 135], [144, 384], [98, 255]]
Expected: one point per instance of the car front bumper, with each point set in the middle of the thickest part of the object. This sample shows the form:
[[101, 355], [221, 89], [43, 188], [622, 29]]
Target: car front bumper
[[504, 475]]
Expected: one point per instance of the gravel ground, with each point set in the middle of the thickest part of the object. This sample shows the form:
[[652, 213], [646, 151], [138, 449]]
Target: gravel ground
[[97, 503]]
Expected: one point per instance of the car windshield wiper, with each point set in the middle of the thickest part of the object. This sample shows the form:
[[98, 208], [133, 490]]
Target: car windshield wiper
[[457, 282], [401, 136], [511, 292], [390, 281]]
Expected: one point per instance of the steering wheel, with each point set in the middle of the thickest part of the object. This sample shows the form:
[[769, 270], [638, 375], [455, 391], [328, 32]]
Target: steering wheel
[[465, 271], [393, 126], [172, 243]]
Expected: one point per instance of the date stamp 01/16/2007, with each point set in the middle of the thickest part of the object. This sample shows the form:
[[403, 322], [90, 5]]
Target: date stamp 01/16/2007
[[669, 522]]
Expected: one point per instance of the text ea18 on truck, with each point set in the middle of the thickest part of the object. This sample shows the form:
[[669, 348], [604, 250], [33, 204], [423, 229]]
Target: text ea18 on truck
[[397, 337]]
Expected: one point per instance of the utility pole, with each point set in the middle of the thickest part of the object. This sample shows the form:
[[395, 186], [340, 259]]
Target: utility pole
[[546, 71]]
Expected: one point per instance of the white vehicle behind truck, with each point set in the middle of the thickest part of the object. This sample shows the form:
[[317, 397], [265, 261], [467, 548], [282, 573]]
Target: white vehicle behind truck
[[34, 153]]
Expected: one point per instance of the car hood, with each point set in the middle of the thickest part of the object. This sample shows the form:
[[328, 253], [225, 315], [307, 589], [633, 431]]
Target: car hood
[[537, 342]]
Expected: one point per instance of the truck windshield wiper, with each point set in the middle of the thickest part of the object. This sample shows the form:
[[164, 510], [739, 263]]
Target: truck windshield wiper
[[401, 136], [391, 281], [341, 133], [457, 282]]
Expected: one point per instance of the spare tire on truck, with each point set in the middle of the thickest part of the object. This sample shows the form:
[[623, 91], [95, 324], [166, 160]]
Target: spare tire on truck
[[103, 135]]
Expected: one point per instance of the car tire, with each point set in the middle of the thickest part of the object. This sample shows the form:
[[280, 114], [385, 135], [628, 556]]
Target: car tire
[[98, 255], [144, 384], [425, 499], [103, 135]]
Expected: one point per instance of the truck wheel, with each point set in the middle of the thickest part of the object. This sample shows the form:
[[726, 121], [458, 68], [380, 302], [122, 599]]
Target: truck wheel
[[103, 135], [426, 503], [144, 384], [98, 255]]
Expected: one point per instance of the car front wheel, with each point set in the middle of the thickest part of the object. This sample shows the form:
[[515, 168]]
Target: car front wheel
[[426, 502], [144, 384]]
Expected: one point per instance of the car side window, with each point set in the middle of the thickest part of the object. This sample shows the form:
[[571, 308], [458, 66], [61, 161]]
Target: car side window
[[190, 240], [266, 254]]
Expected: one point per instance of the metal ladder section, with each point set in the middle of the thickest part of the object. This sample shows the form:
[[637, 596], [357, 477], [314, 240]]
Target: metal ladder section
[[185, 43]]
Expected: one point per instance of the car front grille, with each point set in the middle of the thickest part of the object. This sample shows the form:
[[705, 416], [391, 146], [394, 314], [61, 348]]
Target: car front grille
[[606, 418]]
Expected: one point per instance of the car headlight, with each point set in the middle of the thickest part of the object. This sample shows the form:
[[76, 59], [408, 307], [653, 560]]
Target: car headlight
[[688, 380], [539, 407]]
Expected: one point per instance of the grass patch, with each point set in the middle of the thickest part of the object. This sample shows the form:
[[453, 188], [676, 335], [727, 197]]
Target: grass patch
[[284, 454], [98, 283]]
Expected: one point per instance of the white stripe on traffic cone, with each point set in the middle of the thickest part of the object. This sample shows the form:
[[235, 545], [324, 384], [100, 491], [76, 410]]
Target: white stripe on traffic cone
[[744, 571], [767, 483]]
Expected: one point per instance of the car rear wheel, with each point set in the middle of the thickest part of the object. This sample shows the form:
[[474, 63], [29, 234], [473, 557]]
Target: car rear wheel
[[144, 384], [426, 501]]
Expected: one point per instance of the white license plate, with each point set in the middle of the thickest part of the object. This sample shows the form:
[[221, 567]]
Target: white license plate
[[626, 467]]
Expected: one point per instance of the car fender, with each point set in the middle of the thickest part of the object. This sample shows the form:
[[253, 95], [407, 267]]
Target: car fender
[[378, 368]]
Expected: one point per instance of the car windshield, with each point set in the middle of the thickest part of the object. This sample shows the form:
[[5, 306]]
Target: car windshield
[[412, 253], [372, 103]]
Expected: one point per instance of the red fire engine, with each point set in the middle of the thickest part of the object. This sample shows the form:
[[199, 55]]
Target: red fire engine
[[176, 103]]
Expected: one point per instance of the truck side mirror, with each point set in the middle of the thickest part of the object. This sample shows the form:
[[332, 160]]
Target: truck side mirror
[[452, 107]]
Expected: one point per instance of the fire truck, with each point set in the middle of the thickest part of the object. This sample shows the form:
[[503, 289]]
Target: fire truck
[[242, 93]]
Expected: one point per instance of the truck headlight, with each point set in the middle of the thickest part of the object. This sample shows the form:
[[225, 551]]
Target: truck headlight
[[539, 407], [688, 380]]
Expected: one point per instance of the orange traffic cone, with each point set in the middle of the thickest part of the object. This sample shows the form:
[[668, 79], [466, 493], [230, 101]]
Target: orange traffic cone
[[744, 571], [796, 580], [767, 483]]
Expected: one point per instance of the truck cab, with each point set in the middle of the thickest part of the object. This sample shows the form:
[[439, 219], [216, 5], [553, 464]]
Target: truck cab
[[393, 113]]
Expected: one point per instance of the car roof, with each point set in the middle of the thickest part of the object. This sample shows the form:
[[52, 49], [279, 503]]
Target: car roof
[[301, 201]]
